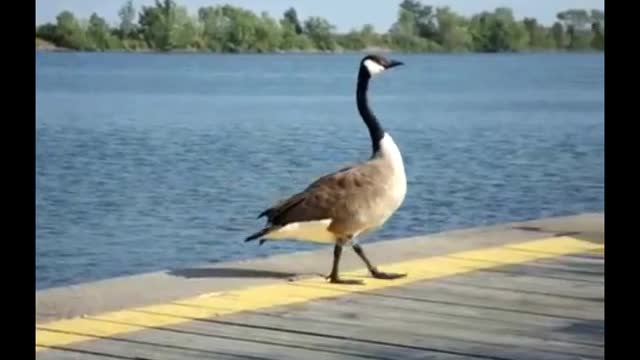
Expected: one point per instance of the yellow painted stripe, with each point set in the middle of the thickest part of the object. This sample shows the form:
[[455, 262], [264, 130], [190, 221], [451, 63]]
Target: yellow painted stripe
[[65, 332]]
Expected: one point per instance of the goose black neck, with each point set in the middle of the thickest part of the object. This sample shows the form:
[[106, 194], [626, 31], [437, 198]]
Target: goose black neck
[[375, 130]]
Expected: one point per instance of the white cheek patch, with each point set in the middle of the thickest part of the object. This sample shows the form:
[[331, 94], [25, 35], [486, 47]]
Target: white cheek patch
[[373, 67]]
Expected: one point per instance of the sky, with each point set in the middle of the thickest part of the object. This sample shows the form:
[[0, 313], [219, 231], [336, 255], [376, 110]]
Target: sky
[[345, 14]]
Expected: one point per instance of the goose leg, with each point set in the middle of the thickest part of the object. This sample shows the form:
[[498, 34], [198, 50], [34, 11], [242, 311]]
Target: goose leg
[[372, 269], [333, 277]]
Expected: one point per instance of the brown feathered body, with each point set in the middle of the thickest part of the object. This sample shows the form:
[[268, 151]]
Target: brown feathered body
[[342, 205]]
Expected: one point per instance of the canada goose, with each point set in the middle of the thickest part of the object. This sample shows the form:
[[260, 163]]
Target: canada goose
[[338, 207]]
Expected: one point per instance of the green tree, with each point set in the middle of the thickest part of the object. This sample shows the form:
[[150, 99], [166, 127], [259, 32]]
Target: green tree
[[579, 39], [127, 15], [405, 25], [166, 26], [558, 35], [597, 28], [360, 39], [576, 22], [369, 35], [453, 32], [577, 18], [48, 32], [598, 37], [597, 16], [233, 29], [517, 35], [411, 43], [423, 18], [320, 31], [214, 27], [291, 17], [351, 41], [497, 36], [290, 40], [70, 33], [498, 31], [158, 24], [268, 34], [242, 35], [404, 33], [186, 31], [480, 28], [130, 35], [539, 37], [98, 33], [292, 36]]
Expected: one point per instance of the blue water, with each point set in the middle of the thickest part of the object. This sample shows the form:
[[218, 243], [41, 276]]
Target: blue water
[[149, 162]]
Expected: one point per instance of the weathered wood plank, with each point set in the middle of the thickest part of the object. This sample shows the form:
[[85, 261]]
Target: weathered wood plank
[[422, 318], [84, 354], [530, 285], [550, 309], [436, 338]]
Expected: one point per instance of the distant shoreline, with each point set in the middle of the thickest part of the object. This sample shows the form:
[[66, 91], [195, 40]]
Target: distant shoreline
[[168, 28], [56, 49]]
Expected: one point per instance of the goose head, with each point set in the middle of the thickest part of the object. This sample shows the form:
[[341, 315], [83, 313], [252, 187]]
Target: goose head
[[372, 65]]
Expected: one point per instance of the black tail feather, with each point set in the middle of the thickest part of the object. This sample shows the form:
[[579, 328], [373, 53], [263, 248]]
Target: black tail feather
[[264, 213], [259, 234], [282, 207]]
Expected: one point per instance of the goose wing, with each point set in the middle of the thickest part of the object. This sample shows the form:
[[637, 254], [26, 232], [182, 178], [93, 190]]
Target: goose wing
[[336, 196]]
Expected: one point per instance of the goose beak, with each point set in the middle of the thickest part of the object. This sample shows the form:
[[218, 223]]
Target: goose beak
[[394, 63]]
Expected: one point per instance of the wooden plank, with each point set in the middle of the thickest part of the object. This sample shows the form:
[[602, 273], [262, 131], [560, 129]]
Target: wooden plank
[[593, 268], [310, 326], [569, 269], [502, 301], [365, 325], [380, 315], [544, 310], [470, 301], [514, 323], [82, 354], [280, 294], [414, 318], [233, 343], [527, 284]]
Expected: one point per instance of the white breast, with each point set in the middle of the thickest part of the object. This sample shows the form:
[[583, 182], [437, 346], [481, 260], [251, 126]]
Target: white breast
[[397, 181], [390, 152]]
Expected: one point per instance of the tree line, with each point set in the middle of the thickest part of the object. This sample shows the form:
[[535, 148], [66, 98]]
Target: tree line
[[167, 26]]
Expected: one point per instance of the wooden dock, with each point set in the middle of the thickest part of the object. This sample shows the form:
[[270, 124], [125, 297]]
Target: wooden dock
[[531, 290]]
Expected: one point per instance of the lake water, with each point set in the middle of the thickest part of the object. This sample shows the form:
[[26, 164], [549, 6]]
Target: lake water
[[149, 162]]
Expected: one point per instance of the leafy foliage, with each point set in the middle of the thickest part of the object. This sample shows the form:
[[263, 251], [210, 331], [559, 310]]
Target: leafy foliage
[[166, 26]]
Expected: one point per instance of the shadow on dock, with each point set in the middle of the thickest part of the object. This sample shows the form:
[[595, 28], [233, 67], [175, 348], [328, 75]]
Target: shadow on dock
[[191, 273]]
